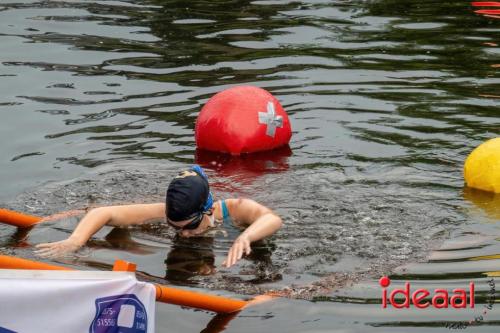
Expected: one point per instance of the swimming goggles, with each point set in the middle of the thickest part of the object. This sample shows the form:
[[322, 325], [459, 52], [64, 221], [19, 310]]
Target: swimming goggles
[[195, 223]]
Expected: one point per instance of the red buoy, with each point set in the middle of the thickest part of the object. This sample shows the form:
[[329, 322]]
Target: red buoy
[[242, 119]]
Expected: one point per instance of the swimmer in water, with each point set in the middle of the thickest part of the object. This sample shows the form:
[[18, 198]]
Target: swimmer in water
[[189, 208]]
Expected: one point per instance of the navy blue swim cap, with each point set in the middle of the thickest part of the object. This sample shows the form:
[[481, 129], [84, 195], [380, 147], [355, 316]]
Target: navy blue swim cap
[[188, 195]]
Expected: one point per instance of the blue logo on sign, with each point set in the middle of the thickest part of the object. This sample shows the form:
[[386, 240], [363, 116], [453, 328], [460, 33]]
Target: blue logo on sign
[[119, 314], [4, 330]]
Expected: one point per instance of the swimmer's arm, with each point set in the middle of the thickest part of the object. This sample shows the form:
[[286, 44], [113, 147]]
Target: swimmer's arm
[[62, 215], [117, 216], [261, 221]]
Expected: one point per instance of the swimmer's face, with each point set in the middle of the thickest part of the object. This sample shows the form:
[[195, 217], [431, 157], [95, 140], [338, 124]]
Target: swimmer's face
[[204, 226]]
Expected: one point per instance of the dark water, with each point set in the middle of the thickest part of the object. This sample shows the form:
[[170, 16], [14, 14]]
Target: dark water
[[98, 101]]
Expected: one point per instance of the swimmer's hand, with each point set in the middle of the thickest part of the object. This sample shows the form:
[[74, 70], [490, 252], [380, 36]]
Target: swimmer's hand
[[57, 249], [241, 245]]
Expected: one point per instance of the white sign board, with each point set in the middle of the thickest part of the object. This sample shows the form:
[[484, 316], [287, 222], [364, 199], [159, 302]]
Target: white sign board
[[33, 301]]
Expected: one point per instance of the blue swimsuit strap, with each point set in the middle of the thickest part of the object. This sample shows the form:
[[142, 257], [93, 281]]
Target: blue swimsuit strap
[[225, 211]]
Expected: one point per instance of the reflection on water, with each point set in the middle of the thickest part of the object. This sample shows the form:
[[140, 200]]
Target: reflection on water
[[186, 260], [98, 101], [243, 170], [487, 202]]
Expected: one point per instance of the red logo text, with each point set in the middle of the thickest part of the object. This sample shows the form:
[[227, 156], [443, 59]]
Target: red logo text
[[423, 298]]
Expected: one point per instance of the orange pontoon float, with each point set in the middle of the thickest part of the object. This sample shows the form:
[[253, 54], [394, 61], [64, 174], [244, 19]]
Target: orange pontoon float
[[18, 219]]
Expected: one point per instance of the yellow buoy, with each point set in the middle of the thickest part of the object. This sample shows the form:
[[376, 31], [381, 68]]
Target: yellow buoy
[[482, 167]]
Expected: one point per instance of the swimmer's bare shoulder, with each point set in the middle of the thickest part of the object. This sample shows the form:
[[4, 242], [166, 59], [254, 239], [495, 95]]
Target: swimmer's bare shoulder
[[245, 212]]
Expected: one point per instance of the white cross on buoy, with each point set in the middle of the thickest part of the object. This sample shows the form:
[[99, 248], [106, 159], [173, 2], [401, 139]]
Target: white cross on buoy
[[270, 119]]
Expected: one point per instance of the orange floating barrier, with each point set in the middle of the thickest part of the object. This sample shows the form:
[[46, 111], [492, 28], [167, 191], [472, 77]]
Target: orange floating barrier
[[164, 294], [198, 300], [187, 298], [8, 262], [18, 219]]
